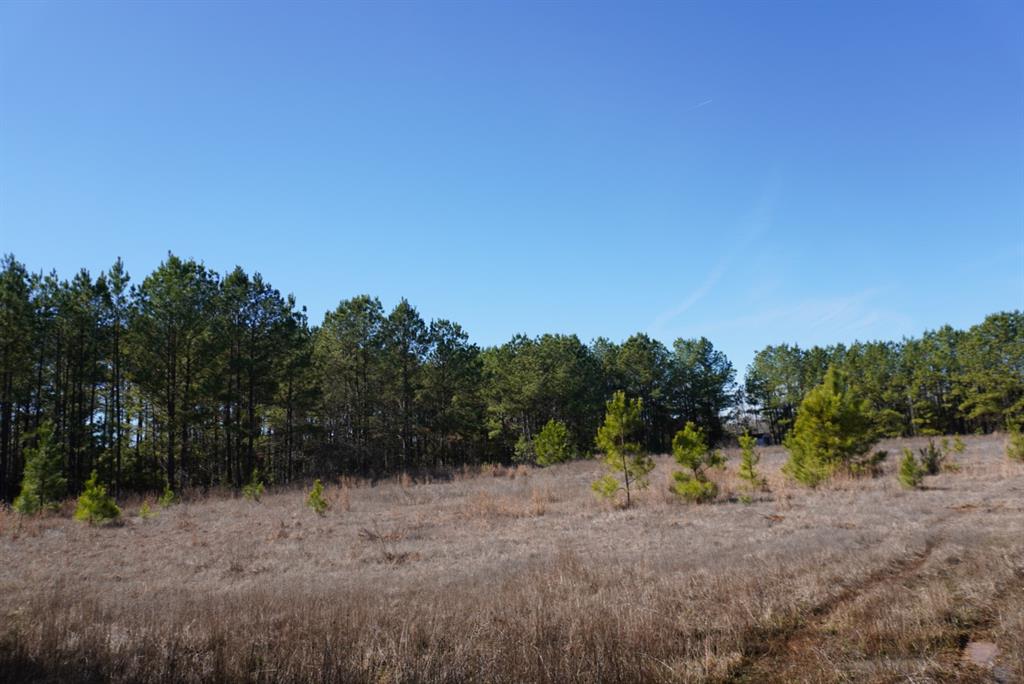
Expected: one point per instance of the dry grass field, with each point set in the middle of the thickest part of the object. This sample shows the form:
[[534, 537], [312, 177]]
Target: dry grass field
[[520, 575]]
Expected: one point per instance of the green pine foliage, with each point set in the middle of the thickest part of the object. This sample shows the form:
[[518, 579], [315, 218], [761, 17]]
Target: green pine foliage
[[167, 497], [524, 451], [911, 472], [146, 511], [95, 506], [1015, 444], [623, 457], [254, 489], [749, 459], [834, 429], [43, 485], [553, 444], [690, 450], [693, 488], [316, 499], [225, 373], [933, 457], [958, 444]]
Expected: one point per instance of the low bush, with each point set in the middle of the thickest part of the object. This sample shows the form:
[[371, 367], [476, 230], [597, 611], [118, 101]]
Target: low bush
[[553, 444], [690, 449], [316, 499], [95, 506], [254, 489], [911, 472], [1015, 444]]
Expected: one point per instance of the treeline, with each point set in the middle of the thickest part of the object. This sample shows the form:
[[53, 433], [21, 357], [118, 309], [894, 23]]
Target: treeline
[[193, 378], [947, 381]]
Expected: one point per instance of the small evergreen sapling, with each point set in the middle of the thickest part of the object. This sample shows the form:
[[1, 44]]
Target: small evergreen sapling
[[316, 499], [43, 484], [254, 489], [523, 451], [166, 497], [95, 505], [553, 444], [622, 456], [749, 459], [690, 449], [958, 444], [911, 472], [932, 456], [1015, 444], [834, 429]]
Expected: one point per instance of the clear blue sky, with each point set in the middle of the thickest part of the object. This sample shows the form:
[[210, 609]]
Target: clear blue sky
[[752, 172]]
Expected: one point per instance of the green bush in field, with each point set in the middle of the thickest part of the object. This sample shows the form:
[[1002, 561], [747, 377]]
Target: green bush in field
[[749, 458], [523, 451], [958, 444], [253, 490], [911, 472], [553, 444], [622, 456], [43, 484], [690, 449], [834, 429], [316, 499], [932, 457], [1015, 444], [167, 497], [95, 505]]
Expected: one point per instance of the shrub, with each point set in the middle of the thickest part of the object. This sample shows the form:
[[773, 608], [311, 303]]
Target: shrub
[[958, 444], [932, 457], [690, 449], [523, 451], [749, 458], [693, 488], [1015, 444], [869, 465], [145, 511], [553, 444], [621, 455], [834, 429], [316, 499], [167, 498], [254, 489], [95, 505], [910, 472], [43, 484]]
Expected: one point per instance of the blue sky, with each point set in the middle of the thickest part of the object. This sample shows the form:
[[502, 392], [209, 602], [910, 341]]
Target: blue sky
[[752, 172]]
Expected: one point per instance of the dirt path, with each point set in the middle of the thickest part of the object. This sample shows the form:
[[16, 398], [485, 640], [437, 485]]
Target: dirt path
[[788, 644]]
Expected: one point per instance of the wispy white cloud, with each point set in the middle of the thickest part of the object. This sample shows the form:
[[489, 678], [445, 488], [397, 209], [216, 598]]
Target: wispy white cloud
[[755, 224], [817, 320], [699, 105]]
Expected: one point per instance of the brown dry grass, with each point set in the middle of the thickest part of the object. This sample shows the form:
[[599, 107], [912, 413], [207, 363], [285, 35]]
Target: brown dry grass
[[519, 575]]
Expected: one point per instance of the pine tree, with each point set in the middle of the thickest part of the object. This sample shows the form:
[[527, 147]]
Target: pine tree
[[690, 449], [43, 485], [1015, 444], [316, 499], [911, 472], [95, 505], [254, 489], [749, 458], [932, 457], [834, 429], [622, 456], [553, 444]]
